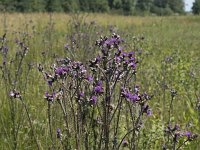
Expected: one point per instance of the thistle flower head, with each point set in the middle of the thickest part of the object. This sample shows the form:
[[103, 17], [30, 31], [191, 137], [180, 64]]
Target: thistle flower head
[[89, 78], [58, 133], [15, 94], [61, 71], [49, 97], [98, 89], [93, 100]]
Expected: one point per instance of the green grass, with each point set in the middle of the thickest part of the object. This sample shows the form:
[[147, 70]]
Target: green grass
[[176, 37]]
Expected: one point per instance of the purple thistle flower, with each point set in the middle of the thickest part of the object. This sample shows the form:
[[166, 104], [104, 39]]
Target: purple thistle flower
[[61, 71], [93, 63], [98, 59], [80, 95], [132, 65], [58, 133], [109, 43], [176, 127], [190, 136], [98, 89], [118, 59], [89, 78], [4, 61], [14, 94], [125, 93], [136, 89], [132, 59], [126, 62], [118, 53], [146, 109], [82, 70], [149, 112], [187, 134], [112, 42], [50, 82], [130, 54], [99, 83], [5, 49], [146, 96], [124, 54], [133, 97], [129, 96], [124, 143], [93, 100], [176, 136], [49, 97], [66, 46], [120, 49]]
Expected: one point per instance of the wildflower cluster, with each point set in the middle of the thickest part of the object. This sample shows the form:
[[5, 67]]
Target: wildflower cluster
[[94, 84], [176, 134], [136, 97], [96, 94]]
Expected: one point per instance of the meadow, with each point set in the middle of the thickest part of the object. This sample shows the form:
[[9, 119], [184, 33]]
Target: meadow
[[149, 99]]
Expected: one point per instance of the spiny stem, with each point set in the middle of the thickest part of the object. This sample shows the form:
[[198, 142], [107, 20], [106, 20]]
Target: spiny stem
[[30, 123]]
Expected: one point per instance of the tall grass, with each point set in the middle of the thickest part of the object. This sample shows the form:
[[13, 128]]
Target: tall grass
[[168, 57]]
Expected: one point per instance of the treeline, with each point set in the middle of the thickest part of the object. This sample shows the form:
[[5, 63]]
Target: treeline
[[196, 7], [127, 7]]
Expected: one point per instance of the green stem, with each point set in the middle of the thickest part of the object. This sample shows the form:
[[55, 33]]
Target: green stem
[[30, 123]]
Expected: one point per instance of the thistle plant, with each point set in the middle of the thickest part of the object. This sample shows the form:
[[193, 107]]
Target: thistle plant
[[13, 71], [101, 103], [178, 138]]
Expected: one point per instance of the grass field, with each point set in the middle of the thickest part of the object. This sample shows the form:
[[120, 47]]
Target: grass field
[[167, 50]]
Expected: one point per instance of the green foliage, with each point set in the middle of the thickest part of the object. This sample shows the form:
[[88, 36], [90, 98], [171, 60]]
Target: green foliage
[[53, 6], [196, 7], [100, 6], [144, 5], [127, 7], [23, 5], [176, 6], [7, 5], [34, 6], [167, 7], [117, 4], [161, 11], [84, 5], [70, 5]]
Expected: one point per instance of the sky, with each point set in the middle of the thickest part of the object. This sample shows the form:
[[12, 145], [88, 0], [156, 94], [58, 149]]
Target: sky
[[188, 4]]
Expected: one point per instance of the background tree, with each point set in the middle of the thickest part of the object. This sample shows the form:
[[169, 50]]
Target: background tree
[[176, 6], [71, 5], [7, 5], [196, 7], [54, 6], [117, 4], [144, 5], [167, 7], [110, 3], [84, 5], [160, 7], [128, 6], [94, 5], [32, 5], [160, 3], [99, 6]]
